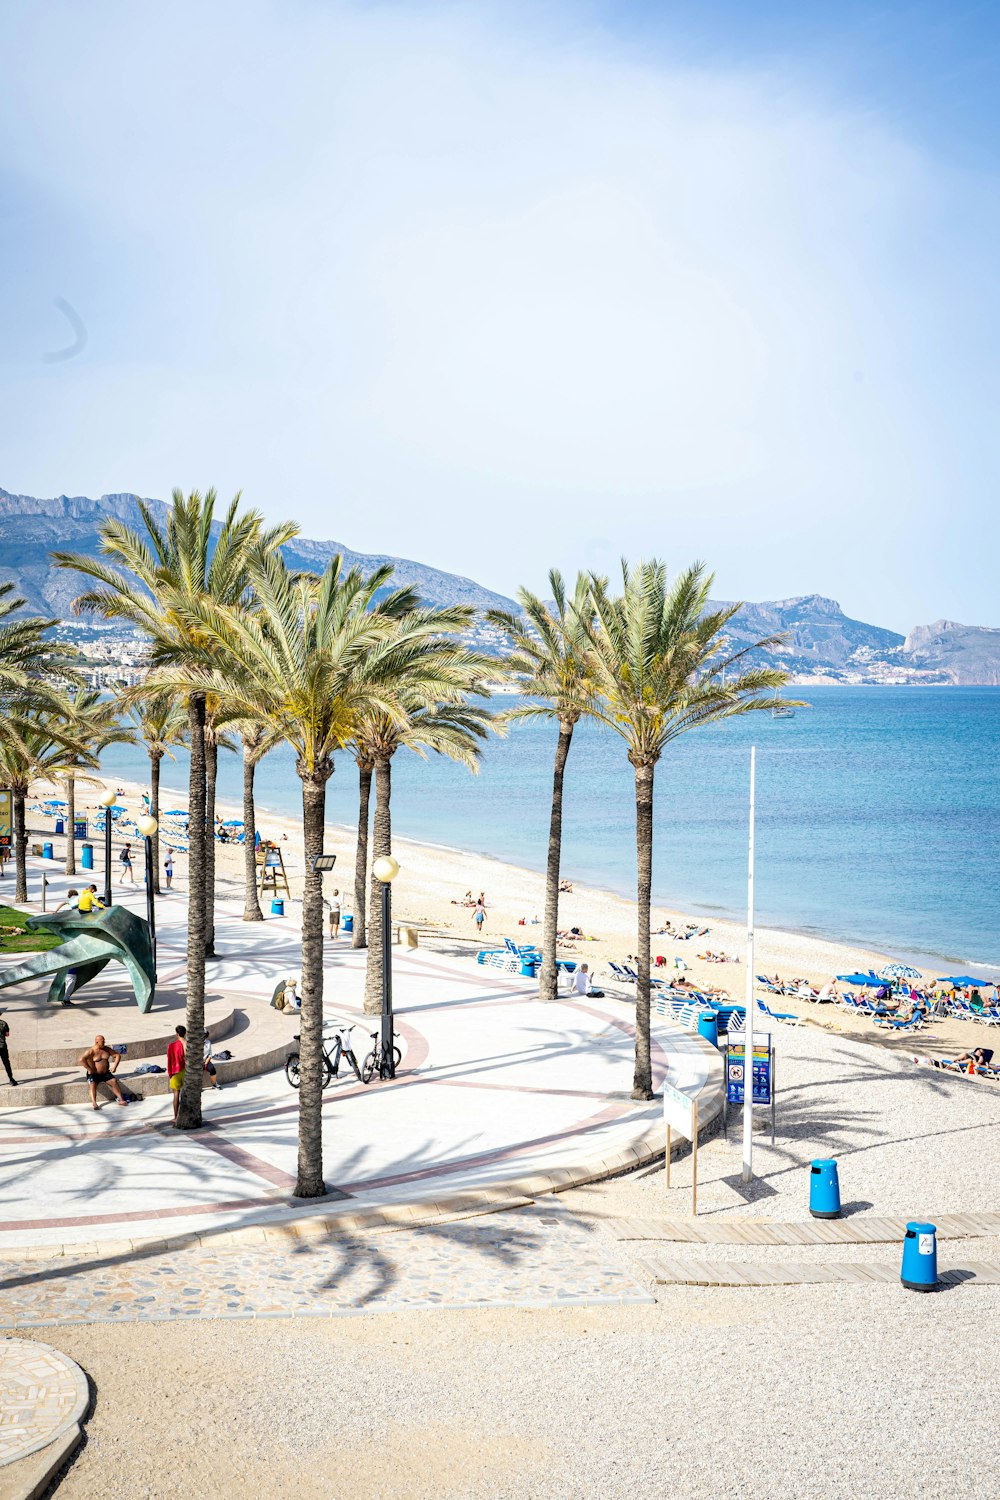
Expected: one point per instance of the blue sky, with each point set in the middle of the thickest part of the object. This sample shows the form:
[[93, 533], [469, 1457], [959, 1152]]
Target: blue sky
[[502, 286]]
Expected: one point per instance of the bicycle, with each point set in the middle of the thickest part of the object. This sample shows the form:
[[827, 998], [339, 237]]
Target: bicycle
[[378, 1061], [332, 1056]]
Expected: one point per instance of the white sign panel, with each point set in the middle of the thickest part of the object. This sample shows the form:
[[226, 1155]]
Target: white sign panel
[[678, 1111]]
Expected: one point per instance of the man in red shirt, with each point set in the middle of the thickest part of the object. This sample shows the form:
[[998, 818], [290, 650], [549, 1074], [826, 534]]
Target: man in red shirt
[[175, 1066]]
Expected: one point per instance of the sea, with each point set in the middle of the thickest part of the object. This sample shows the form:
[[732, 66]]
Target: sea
[[878, 814]]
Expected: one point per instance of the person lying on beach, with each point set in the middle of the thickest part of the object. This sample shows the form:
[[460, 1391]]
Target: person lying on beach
[[573, 935], [566, 886], [979, 1057]]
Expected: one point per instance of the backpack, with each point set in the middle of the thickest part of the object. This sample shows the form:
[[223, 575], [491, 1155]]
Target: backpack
[[124, 857]]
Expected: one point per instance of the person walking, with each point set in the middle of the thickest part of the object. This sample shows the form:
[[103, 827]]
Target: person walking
[[101, 1064], [335, 915], [209, 1065], [168, 868], [479, 915], [176, 1060], [4, 1054], [125, 858]]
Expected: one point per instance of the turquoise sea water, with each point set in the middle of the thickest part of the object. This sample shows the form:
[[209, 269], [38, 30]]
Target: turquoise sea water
[[878, 814]]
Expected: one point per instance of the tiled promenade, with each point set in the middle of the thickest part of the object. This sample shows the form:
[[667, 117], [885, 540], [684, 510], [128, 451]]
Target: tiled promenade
[[494, 1089]]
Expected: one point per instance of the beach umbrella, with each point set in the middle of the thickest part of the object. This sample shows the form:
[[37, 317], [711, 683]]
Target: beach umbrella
[[175, 812], [871, 979], [233, 823], [54, 802], [899, 971], [966, 982]]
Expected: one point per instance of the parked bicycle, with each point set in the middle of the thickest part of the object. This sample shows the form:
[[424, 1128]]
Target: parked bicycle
[[380, 1061], [337, 1047]]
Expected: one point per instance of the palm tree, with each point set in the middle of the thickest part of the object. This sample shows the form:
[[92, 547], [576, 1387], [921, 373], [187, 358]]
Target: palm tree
[[217, 714], [257, 740], [366, 767], [95, 722], [420, 721], [660, 669], [40, 744], [161, 721], [305, 661], [155, 581], [550, 649]]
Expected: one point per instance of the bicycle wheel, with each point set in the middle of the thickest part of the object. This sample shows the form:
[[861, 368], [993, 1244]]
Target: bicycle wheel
[[368, 1068], [397, 1057], [292, 1072], [354, 1064], [329, 1071]]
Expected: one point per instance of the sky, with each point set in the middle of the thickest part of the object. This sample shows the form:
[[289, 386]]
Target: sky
[[507, 286]]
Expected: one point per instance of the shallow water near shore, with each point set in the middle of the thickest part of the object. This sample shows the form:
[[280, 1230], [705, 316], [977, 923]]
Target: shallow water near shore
[[878, 814]]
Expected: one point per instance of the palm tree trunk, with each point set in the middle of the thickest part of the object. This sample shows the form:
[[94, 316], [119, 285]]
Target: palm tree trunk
[[548, 978], [70, 865], [211, 776], [189, 1110], [20, 848], [359, 936], [642, 1083], [381, 844], [309, 1183], [251, 905], [154, 812]]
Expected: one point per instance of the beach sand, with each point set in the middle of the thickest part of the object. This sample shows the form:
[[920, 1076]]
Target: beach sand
[[430, 889]]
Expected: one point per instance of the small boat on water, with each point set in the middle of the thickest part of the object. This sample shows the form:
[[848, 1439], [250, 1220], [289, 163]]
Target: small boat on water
[[781, 710]]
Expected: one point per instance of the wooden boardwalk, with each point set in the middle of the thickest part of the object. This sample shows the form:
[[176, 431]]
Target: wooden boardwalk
[[663, 1270], [859, 1230]]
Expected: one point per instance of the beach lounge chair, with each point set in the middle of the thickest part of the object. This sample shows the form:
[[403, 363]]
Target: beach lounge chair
[[896, 1023], [778, 1015]]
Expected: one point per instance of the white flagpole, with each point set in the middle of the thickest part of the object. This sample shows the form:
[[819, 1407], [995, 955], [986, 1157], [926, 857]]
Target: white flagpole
[[748, 1035]]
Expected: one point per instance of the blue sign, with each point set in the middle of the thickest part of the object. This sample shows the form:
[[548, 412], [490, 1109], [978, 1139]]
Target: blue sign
[[762, 1071]]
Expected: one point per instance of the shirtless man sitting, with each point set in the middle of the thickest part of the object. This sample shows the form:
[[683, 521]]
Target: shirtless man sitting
[[101, 1063]]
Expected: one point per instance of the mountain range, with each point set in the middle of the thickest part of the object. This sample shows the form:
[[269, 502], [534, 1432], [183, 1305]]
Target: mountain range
[[821, 643]]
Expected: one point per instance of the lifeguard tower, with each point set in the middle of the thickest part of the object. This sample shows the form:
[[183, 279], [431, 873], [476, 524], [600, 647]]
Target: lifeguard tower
[[271, 877]]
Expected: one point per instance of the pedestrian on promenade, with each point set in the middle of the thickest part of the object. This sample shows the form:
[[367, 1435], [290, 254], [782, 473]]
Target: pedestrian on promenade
[[101, 1064], [176, 1058], [335, 914], [126, 863], [168, 868], [479, 915], [4, 1054], [209, 1066]]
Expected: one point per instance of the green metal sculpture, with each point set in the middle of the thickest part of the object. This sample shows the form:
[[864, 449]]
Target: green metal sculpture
[[93, 939]]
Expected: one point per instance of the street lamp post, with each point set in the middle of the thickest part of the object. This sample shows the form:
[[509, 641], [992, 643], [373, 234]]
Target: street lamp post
[[147, 827], [386, 869], [107, 802]]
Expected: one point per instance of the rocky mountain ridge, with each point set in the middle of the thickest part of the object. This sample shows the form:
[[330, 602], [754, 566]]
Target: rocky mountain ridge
[[820, 643]]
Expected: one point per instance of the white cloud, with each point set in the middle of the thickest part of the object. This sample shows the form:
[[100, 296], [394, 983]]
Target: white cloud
[[443, 284]]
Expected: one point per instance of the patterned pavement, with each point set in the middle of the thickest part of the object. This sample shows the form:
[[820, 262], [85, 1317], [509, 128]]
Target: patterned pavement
[[535, 1258], [42, 1394]]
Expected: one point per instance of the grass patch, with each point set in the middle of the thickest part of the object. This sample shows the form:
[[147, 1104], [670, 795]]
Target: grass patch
[[23, 942]]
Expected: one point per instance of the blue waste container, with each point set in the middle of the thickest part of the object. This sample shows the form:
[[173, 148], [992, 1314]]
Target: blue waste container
[[60, 826], [824, 1190], [47, 850], [348, 924], [708, 1026], [528, 968], [80, 828], [277, 907], [87, 857], [919, 1271]]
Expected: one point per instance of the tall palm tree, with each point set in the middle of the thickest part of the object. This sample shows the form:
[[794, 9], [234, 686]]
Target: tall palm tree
[[156, 580], [420, 721], [95, 721], [550, 650], [161, 721], [305, 661], [40, 744], [217, 714], [366, 768], [257, 739], [660, 668]]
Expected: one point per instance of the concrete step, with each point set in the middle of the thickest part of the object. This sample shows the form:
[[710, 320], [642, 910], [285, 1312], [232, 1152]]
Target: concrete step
[[220, 1022], [260, 1042]]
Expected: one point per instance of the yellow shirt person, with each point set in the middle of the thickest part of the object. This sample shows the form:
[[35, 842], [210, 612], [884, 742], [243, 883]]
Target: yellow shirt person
[[88, 901]]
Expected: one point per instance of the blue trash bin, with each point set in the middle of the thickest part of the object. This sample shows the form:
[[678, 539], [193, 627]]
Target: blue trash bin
[[277, 907], [528, 968], [919, 1271], [824, 1190], [60, 826], [348, 924], [47, 850], [708, 1026], [87, 857]]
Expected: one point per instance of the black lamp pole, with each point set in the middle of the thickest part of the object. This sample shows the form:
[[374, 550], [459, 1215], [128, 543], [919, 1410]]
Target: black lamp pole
[[107, 855], [387, 1051], [150, 907]]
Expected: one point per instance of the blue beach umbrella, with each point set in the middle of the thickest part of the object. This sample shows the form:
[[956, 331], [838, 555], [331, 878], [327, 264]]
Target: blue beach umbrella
[[176, 812], [871, 979], [966, 982], [233, 823]]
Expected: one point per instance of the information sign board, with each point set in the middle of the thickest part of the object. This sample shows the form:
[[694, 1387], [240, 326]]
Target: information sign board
[[680, 1112], [6, 818], [762, 1071]]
